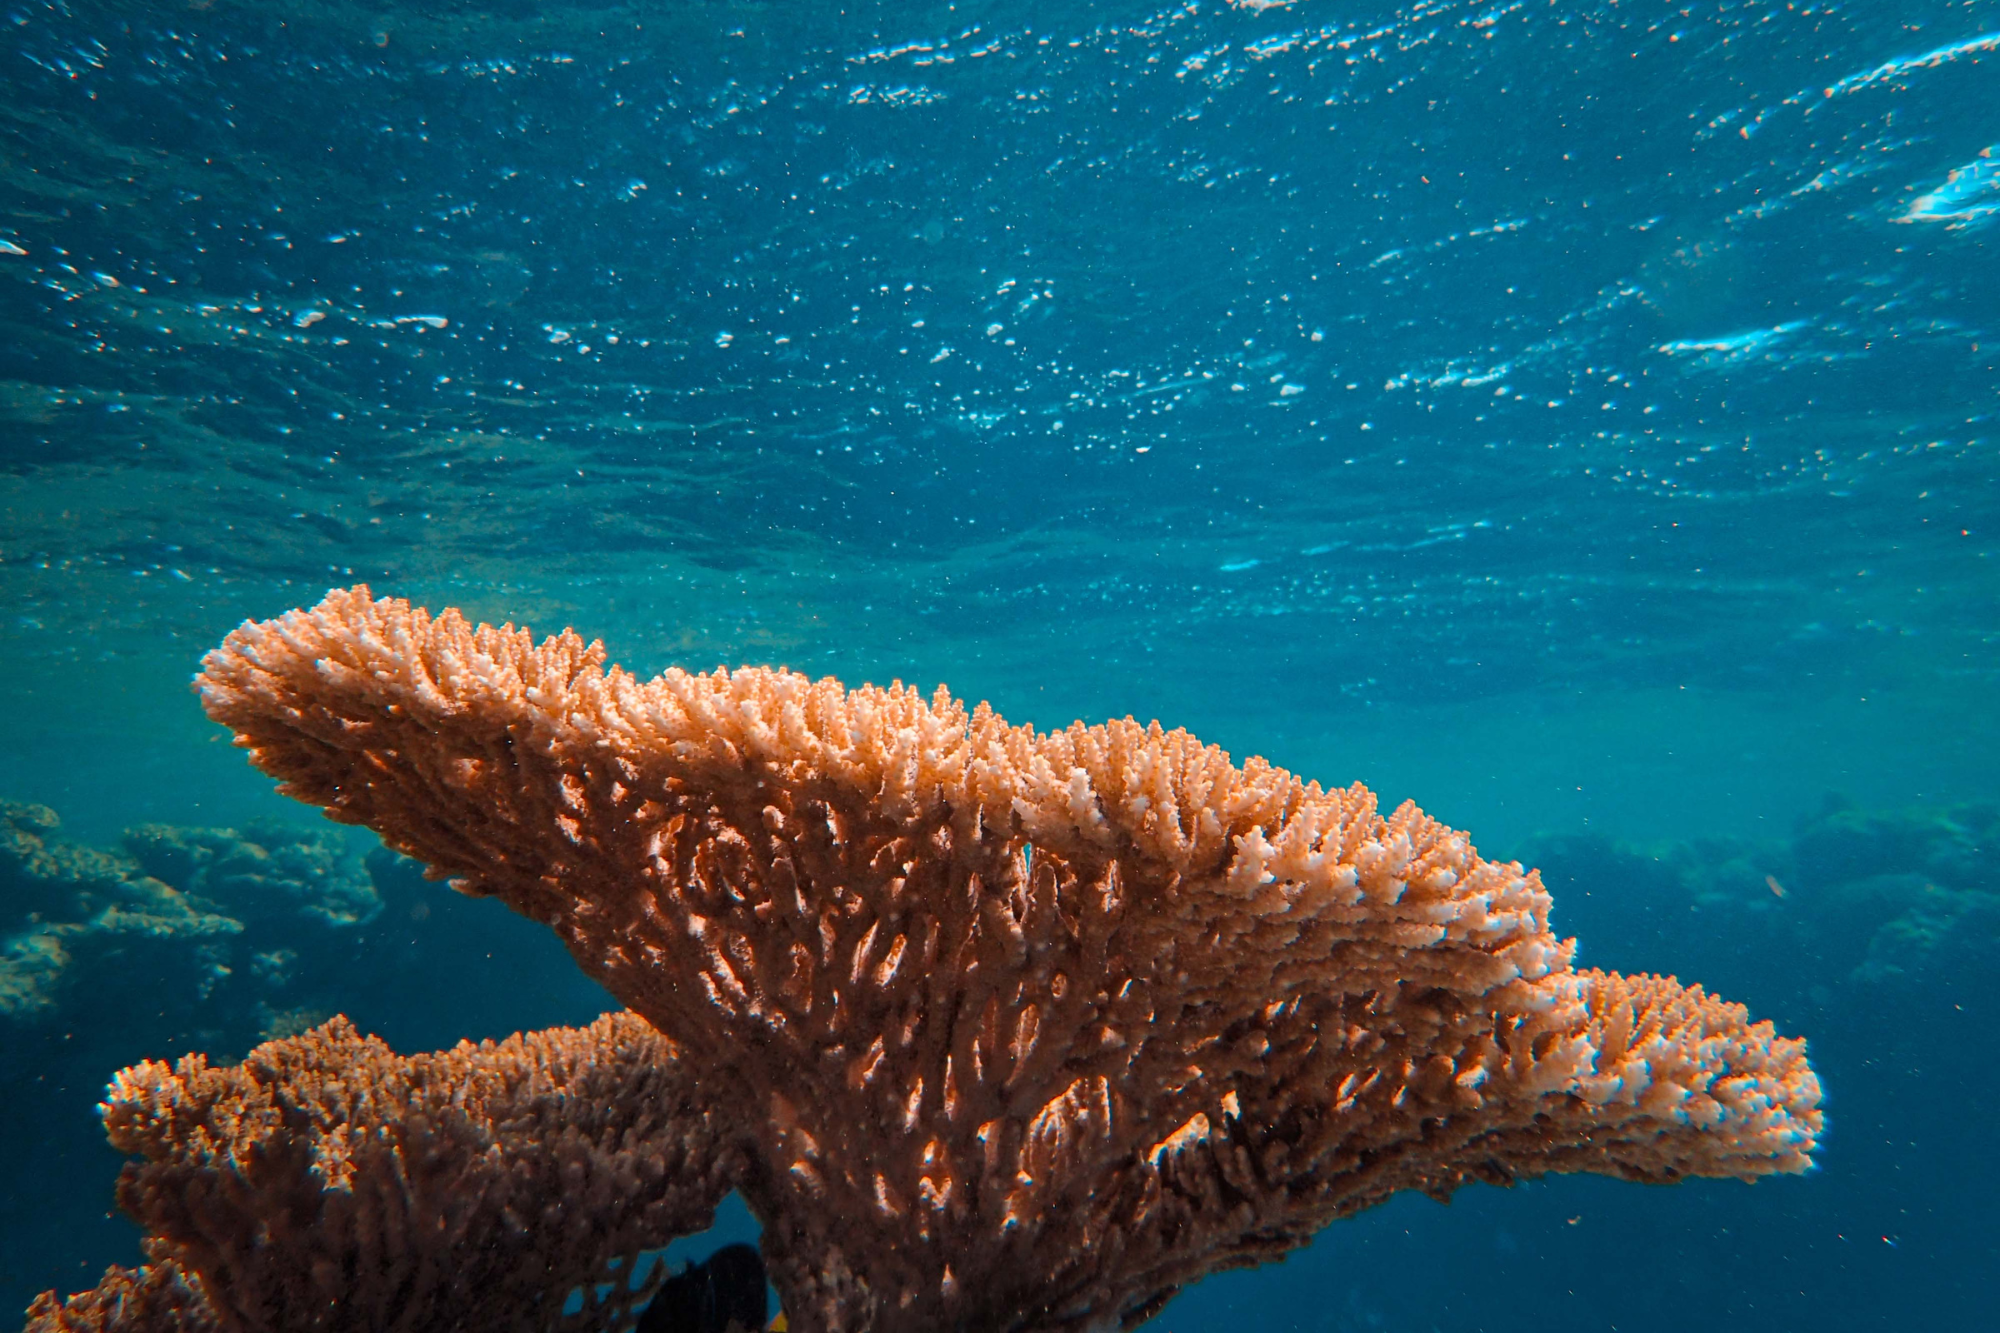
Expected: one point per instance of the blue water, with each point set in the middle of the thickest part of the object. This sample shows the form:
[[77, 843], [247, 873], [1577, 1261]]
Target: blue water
[[1577, 417]]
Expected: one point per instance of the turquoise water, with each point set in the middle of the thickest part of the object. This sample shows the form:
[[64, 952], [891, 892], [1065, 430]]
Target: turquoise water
[[1578, 418]]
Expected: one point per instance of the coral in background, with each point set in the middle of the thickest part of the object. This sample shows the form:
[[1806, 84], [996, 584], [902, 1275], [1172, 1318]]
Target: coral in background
[[327, 1183], [43, 876], [178, 896], [1029, 1030], [30, 963], [1952, 847], [263, 873], [1874, 898], [1949, 933], [78, 911]]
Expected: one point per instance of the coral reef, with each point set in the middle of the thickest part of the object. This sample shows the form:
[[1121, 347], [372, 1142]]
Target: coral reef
[[1952, 847], [1030, 1029], [81, 912], [327, 1183], [1871, 898], [43, 876], [260, 874], [199, 904], [1948, 933]]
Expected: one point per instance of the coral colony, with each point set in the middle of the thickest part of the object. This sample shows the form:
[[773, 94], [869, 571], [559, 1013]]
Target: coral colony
[[993, 1029]]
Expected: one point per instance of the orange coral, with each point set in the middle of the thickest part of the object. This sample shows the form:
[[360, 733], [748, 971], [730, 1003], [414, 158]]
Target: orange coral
[[327, 1183], [1036, 1027], [158, 1298]]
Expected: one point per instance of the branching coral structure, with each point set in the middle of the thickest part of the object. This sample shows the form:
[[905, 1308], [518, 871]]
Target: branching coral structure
[[156, 1298], [1023, 1030], [328, 1183]]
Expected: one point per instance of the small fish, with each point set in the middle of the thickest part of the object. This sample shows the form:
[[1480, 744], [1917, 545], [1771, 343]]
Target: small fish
[[725, 1294], [1574, 1220], [1771, 882]]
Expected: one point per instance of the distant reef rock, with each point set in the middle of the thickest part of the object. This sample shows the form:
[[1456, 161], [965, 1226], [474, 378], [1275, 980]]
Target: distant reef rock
[[1895, 903], [180, 916]]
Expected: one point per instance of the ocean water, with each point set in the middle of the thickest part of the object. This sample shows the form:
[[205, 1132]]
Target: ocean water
[[1579, 418]]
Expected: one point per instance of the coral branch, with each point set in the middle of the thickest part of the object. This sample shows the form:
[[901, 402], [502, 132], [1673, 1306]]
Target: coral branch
[[327, 1183], [158, 1298]]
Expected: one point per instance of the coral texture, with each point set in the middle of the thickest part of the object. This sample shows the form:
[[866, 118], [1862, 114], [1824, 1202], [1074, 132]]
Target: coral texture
[[327, 1183], [158, 1298], [1027, 1030]]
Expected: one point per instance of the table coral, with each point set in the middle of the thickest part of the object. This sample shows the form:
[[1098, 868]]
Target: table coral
[[1028, 1029]]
